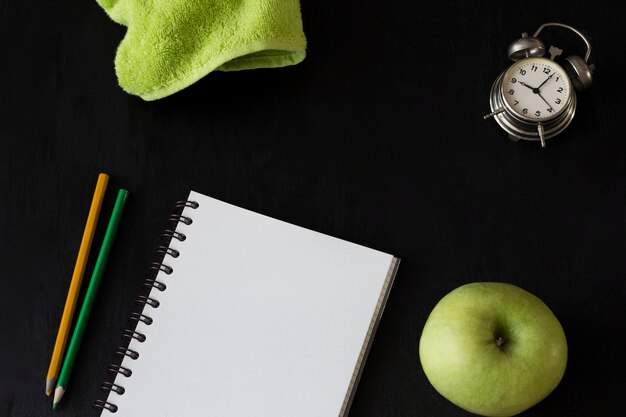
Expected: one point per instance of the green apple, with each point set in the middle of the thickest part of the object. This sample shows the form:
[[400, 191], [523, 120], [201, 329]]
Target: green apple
[[493, 349]]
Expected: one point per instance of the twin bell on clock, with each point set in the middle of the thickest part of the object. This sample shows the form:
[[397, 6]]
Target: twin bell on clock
[[534, 99]]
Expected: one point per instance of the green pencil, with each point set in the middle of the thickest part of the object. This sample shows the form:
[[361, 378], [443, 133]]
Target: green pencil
[[90, 296]]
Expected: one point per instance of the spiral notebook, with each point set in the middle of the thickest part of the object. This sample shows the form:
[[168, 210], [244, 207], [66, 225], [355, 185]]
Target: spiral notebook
[[249, 316]]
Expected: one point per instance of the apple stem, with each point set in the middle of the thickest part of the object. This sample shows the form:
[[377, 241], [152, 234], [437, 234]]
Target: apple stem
[[499, 341]]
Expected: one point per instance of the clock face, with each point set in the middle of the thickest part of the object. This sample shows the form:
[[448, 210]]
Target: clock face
[[536, 89]]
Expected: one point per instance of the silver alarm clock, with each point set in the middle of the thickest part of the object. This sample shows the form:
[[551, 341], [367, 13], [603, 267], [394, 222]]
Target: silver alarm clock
[[534, 99]]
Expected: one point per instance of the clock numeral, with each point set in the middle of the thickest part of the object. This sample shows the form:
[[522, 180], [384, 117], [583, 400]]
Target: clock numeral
[[513, 80], [533, 68], [511, 91], [546, 70], [525, 111], [560, 90], [557, 79], [557, 101], [537, 113], [516, 102], [550, 110], [522, 71]]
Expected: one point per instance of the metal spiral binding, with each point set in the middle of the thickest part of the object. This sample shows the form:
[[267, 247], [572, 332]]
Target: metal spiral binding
[[121, 351], [108, 386], [179, 218], [187, 203], [103, 405], [140, 317], [154, 283], [117, 369], [162, 251], [158, 266], [171, 234], [130, 334], [145, 300]]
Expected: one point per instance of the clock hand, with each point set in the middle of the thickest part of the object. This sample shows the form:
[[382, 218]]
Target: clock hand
[[541, 85], [526, 85], [535, 90], [549, 106]]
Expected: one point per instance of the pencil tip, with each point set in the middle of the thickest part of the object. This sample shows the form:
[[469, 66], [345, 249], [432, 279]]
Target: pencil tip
[[58, 393], [50, 385]]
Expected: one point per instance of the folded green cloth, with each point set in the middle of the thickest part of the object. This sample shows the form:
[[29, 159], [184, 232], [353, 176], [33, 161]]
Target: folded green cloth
[[170, 44]]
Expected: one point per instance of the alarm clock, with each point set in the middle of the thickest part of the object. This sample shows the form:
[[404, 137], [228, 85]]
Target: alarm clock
[[534, 99]]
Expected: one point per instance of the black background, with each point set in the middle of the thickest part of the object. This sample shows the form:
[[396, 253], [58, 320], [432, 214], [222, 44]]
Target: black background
[[377, 138]]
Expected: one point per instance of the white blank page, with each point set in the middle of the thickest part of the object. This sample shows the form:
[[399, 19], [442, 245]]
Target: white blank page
[[260, 318]]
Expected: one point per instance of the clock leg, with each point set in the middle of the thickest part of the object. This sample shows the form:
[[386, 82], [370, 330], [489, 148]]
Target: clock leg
[[540, 131], [493, 113]]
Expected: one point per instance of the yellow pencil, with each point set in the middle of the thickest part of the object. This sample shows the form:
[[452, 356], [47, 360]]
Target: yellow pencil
[[77, 278]]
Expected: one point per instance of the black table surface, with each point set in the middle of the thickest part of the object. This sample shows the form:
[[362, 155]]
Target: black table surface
[[376, 138]]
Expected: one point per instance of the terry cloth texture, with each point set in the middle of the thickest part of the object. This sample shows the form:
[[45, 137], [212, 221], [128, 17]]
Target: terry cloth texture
[[170, 44]]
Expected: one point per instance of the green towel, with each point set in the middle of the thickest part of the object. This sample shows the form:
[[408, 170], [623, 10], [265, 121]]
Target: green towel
[[170, 44]]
